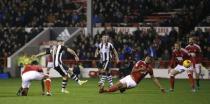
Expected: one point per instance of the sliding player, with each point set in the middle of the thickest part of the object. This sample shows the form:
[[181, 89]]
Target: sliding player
[[139, 71]]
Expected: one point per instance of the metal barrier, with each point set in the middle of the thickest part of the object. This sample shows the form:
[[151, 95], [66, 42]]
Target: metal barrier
[[93, 63]]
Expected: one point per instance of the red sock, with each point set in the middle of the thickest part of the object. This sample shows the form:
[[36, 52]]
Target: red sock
[[48, 85], [113, 88], [191, 81], [172, 82]]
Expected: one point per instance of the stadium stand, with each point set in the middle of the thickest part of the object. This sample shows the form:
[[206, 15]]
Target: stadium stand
[[114, 12], [12, 39], [205, 22], [44, 13]]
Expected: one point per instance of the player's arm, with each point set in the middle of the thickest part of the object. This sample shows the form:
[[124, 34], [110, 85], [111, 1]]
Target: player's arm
[[157, 82], [96, 53], [116, 54], [136, 69], [73, 53], [41, 54]]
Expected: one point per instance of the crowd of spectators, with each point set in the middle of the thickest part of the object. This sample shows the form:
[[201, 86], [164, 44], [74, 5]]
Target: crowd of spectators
[[205, 22], [12, 39], [134, 11], [35, 13], [140, 43], [190, 15]]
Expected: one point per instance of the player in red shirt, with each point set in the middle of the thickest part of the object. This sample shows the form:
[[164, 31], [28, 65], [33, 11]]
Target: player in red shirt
[[178, 56], [139, 71], [34, 72], [195, 56]]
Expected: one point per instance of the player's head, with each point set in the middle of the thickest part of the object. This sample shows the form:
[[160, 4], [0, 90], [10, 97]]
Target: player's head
[[105, 38], [191, 40], [177, 46], [60, 42], [148, 59], [34, 62]]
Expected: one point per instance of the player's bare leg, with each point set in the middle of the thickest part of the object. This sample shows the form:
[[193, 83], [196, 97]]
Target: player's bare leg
[[191, 79], [115, 87], [172, 74]]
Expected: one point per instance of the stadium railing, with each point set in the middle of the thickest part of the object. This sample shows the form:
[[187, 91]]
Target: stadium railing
[[163, 64]]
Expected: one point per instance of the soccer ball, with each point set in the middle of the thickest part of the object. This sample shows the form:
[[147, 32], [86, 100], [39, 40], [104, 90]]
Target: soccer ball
[[187, 63]]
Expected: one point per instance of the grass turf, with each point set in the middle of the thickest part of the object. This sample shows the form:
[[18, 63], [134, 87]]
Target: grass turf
[[145, 93]]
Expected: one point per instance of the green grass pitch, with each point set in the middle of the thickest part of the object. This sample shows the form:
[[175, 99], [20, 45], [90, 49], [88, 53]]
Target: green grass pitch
[[145, 93]]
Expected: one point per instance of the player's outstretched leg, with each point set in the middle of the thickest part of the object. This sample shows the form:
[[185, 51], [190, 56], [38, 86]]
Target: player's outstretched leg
[[109, 78], [102, 79], [114, 88], [64, 84], [75, 78], [172, 80], [172, 75], [111, 89], [191, 80]]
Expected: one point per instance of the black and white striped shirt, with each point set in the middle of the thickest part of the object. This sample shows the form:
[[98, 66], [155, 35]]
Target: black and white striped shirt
[[105, 51], [57, 52]]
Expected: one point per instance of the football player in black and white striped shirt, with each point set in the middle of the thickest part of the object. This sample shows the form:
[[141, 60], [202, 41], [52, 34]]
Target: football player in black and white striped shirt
[[57, 52], [105, 50]]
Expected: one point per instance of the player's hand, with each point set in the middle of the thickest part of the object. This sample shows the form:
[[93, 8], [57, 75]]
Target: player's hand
[[33, 56]]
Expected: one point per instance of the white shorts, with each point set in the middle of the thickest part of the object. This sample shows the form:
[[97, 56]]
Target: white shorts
[[130, 83], [181, 68], [31, 75], [50, 65]]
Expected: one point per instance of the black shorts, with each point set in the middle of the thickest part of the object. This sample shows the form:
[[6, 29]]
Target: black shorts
[[105, 65], [62, 70]]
